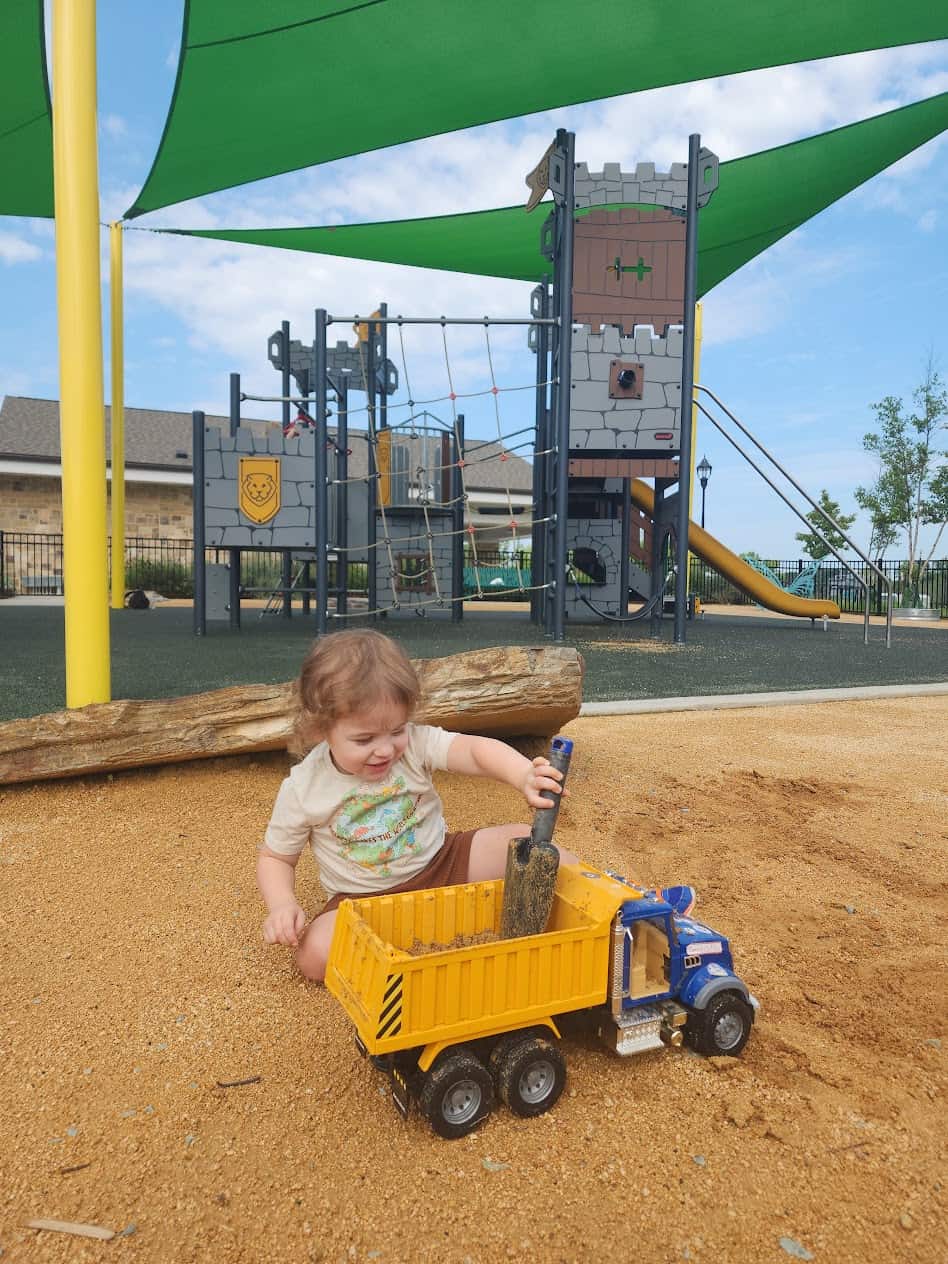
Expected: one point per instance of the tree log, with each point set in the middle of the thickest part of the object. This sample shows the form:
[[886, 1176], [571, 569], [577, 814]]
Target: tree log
[[506, 691]]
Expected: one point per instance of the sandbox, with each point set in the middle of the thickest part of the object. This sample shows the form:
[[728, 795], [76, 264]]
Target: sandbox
[[169, 1077]]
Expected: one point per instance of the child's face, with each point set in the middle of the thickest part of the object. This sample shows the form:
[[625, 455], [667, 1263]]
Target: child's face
[[367, 743]]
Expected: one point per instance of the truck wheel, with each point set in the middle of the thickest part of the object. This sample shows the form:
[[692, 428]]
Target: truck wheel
[[530, 1075], [457, 1094], [722, 1027]]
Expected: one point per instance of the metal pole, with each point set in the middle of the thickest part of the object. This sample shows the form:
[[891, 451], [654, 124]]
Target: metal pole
[[320, 480], [373, 484], [234, 404], [563, 307], [457, 540], [381, 386], [342, 493], [541, 305], [436, 320], [79, 308], [286, 578], [658, 548], [285, 374], [233, 574], [704, 484], [687, 391], [117, 416], [200, 575], [624, 555]]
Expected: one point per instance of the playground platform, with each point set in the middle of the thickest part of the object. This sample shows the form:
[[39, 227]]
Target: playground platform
[[155, 654]]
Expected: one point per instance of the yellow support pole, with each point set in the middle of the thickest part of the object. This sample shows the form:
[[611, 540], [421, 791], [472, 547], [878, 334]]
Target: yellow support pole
[[116, 331], [79, 302]]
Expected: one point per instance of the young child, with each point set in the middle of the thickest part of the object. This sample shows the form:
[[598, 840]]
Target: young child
[[363, 796]]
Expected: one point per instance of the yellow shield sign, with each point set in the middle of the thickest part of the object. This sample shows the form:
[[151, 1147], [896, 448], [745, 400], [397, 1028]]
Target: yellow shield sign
[[258, 483]]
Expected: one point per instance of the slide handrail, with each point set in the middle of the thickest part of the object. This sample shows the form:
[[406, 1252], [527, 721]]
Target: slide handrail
[[883, 578]]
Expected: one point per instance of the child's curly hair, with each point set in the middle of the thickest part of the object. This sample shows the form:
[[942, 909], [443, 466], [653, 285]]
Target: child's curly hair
[[344, 673]]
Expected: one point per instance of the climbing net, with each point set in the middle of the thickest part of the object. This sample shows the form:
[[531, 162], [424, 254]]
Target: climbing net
[[428, 477]]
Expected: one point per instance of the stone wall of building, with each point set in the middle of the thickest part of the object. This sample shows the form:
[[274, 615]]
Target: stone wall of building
[[33, 504]]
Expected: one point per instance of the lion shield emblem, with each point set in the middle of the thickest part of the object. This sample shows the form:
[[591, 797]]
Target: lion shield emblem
[[259, 488]]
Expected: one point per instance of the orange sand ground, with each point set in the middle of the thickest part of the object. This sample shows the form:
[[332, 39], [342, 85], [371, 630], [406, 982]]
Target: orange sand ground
[[135, 979]]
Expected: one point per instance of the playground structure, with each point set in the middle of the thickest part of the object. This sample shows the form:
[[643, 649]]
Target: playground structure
[[612, 328]]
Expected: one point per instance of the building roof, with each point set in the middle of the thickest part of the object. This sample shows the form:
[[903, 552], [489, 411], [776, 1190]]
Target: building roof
[[160, 440]]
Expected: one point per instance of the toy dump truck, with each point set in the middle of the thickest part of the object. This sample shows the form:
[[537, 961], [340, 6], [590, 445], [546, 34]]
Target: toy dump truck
[[459, 1016]]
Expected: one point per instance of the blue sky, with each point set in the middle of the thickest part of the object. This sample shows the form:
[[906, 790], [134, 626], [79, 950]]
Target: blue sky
[[799, 344]]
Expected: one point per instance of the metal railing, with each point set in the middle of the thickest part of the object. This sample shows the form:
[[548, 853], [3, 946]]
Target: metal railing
[[826, 520]]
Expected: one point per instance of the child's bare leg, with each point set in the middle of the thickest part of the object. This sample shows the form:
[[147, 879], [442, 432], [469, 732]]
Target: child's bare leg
[[313, 952], [489, 851]]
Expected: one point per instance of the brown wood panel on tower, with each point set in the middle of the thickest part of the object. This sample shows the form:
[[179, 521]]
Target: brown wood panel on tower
[[629, 269]]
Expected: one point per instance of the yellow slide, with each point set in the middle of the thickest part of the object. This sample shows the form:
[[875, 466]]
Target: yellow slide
[[737, 571]]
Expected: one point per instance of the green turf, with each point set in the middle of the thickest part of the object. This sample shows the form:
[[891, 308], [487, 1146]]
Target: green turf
[[154, 654]]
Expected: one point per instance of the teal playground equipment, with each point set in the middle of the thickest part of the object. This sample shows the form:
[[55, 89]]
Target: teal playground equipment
[[801, 585]]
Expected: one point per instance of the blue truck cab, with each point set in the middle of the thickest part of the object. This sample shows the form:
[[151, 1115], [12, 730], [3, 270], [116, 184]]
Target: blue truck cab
[[672, 980]]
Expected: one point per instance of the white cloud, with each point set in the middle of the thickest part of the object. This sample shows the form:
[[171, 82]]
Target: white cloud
[[14, 249], [14, 382], [113, 125], [757, 299]]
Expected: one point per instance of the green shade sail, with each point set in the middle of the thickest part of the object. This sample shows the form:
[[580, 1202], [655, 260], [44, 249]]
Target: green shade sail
[[26, 125], [264, 89], [761, 198]]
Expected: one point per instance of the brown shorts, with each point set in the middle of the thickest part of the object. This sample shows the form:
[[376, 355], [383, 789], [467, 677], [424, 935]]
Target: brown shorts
[[447, 868]]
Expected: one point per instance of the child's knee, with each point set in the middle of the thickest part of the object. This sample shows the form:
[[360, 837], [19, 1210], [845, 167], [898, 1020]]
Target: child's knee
[[311, 965], [312, 955]]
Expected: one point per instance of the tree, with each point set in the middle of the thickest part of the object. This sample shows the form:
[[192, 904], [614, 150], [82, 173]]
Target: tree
[[911, 489], [812, 545], [881, 536]]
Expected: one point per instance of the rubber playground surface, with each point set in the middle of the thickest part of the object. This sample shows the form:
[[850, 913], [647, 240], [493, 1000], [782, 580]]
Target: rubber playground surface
[[155, 654], [168, 1076]]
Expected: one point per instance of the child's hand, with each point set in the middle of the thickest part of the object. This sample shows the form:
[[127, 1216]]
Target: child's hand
[[542, 776], [283, 924]]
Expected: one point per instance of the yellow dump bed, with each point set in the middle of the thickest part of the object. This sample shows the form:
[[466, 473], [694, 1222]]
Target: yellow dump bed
[[423, 967]]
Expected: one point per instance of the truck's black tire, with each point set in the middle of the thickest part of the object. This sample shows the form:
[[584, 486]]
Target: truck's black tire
[[530, 1074], [457, 1093], [503, 1046], [722, 1028]]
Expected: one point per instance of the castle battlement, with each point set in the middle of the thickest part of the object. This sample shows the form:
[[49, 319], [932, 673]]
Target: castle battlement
[[643, 185]]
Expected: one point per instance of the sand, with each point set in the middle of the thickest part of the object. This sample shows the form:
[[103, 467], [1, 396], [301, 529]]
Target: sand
[[135, 980]]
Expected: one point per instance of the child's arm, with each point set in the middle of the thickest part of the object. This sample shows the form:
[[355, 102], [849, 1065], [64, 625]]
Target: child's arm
[[486, 757], [276, 878]]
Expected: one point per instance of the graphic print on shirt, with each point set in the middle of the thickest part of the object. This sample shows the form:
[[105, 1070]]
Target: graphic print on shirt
[[377, 828]]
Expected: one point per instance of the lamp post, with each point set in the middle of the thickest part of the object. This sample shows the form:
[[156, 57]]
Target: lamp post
[[704, 473]]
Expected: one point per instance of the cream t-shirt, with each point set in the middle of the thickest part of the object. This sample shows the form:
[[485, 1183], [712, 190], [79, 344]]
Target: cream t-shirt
[[366, 836]]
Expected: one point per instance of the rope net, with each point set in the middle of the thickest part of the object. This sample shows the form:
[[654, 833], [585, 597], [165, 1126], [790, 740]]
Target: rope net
[[423, 470]]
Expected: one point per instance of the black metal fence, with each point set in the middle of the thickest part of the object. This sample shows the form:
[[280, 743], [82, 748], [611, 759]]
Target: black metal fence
[[32, 565], [833, 581]]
